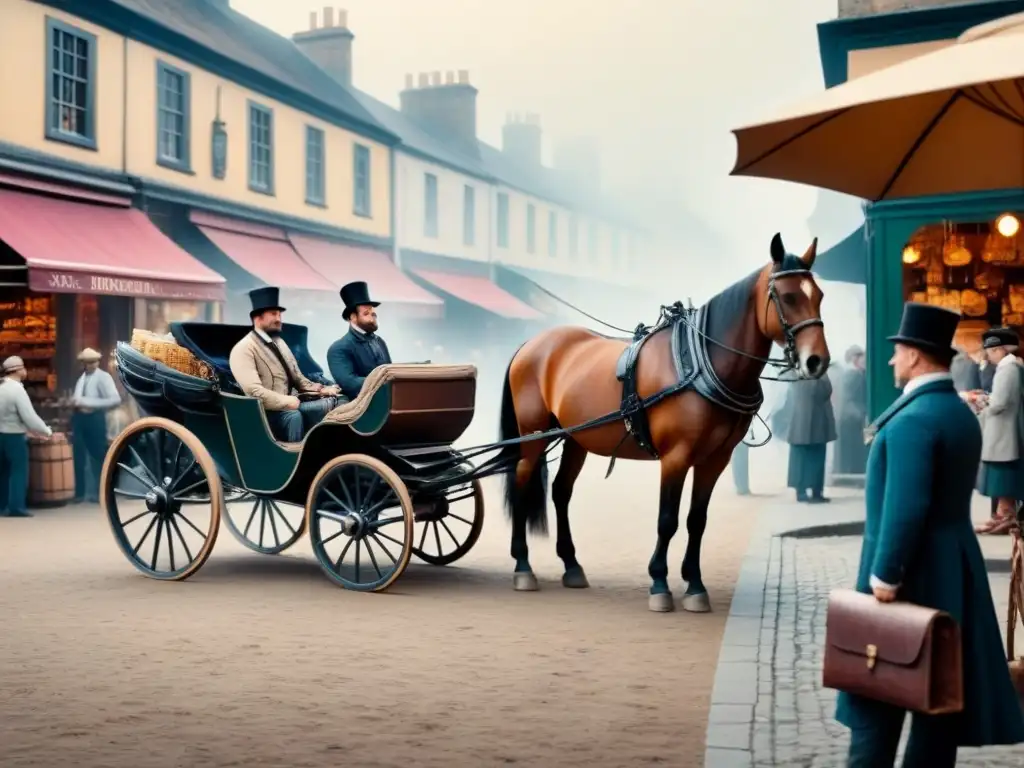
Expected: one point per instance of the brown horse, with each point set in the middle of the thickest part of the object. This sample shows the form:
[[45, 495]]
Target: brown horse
[[566, 376]]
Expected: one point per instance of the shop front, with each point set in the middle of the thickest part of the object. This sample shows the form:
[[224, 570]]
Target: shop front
[[79, 269]]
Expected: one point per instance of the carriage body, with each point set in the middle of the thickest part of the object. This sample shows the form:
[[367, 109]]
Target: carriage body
[[397, 437]]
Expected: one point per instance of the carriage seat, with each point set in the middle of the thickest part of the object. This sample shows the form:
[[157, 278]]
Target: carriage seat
[[349, 412]]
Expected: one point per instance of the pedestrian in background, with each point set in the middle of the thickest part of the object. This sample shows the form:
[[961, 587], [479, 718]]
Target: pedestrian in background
[[965, 372], [95, 394], [812, 426], [17, 419], [918, 547], [851, 453]]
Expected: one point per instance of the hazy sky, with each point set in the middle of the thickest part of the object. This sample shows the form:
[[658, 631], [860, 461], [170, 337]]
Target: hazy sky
[[659, 83]]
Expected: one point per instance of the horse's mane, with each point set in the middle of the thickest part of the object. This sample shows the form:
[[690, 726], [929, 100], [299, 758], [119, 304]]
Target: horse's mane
[[726, 307]]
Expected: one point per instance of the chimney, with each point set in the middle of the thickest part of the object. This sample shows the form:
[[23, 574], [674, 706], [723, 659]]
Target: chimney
[[444, 105], [521, 139], [328, 43], [580, 162]]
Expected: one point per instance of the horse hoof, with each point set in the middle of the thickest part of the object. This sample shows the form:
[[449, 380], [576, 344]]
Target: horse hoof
[[525, 581], [697, 603], [575, 579], [661, 602]]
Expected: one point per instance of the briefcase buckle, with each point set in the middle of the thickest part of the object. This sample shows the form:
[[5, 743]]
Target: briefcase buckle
[[872, 654]]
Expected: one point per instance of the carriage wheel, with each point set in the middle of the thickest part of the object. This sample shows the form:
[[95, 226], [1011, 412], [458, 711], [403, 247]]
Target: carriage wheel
[[360, 522], [447, 530], [261, 523], [163, 498]]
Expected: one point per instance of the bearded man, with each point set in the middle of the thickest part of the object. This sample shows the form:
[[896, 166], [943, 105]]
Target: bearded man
[[352, 357]]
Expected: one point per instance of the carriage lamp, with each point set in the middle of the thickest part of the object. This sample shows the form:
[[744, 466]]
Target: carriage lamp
[[1008, 225], [911, 255]]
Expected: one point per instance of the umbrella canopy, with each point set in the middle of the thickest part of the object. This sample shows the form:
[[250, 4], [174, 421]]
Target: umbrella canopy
[[945, 122]]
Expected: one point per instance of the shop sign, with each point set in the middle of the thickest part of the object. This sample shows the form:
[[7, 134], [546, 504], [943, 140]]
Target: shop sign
[[58, 281]]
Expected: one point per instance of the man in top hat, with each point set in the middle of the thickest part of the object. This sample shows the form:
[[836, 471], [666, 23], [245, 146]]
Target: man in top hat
[[266, 369], [919, 547], [352, 357], [95, 393], [1002, 432]]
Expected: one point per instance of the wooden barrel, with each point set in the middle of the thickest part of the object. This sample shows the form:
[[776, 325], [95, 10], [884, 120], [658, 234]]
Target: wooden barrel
[[51, 472]]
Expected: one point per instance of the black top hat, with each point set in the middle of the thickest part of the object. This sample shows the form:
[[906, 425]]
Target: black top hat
[[999, 337], [263, 299], [356, 294], [928, 327]]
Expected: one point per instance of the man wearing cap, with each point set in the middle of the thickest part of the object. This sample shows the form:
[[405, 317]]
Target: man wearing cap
[[94, 395], [352, 357], [17, 417], [266, 369], [919, 547], [1002, 465]]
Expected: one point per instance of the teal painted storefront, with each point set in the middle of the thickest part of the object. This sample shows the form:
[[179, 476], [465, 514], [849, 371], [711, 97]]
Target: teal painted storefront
[[890, 224]]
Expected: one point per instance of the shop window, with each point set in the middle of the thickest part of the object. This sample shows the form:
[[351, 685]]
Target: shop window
[[430, 205], [70, 85], [976, 268], [315, 193], [261, 149], [157, 316], [173, 128], [361, 181]]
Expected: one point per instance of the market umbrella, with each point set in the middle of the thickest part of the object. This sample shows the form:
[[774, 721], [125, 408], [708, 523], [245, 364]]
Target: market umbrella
[[945, 122]]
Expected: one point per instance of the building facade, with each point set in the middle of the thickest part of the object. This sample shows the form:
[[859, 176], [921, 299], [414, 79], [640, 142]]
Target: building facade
[[902, 235]]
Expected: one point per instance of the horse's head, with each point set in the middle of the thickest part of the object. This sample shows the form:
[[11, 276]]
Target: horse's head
[[792, 309]]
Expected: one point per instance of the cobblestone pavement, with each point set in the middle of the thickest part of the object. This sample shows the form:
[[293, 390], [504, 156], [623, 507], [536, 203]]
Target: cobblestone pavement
[[792, 721]]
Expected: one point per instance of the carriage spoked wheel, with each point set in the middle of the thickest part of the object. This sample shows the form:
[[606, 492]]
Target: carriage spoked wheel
[[163, 498], [360, 521], [262, 523], [448, 527]]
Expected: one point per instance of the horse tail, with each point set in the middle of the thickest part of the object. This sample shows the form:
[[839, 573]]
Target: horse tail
[[530, 500]]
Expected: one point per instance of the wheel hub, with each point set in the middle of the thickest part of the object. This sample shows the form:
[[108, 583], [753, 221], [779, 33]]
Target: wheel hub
[[353, 524], [159, 502]]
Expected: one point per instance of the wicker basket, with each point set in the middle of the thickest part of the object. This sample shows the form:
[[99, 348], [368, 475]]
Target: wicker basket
[[139, 338], [174, 356]]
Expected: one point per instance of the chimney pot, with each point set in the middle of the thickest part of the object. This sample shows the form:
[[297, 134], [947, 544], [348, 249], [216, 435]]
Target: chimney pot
[[343, 18], [449, 77], [435, 78], [328, 17], [409, 80], [464, 76], [424, 80], [312, 21]]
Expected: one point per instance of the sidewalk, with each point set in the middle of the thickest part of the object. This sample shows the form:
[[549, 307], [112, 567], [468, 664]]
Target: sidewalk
[[768, 706]]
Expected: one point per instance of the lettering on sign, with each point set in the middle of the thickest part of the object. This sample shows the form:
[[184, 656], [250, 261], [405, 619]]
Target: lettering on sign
[[115, 285], [52, 281], [63, 282]]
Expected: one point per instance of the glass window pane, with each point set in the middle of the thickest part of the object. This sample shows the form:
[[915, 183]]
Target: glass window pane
[[82, 47], [83, 68]]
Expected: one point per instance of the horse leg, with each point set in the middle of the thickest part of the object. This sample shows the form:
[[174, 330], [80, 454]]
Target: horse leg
[[673, 477], [705, 477], [529, 508], [573, 456]]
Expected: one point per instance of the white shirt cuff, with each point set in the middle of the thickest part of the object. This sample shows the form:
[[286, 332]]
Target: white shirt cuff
[[874, 581]]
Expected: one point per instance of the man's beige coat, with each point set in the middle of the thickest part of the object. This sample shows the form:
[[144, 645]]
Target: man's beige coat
[[259, 373]]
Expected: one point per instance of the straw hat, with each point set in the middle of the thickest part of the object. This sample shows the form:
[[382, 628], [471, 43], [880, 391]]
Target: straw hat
[[13, 363], [89, 355]]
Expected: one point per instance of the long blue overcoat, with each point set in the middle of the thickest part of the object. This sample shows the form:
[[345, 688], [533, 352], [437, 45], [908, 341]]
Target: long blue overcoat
[[921, 472]]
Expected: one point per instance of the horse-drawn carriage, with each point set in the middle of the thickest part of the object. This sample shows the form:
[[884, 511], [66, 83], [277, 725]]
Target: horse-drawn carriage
[[374, 483]]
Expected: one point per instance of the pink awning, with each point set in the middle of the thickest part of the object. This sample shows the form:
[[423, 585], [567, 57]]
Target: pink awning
[[87, 247], [480, 292], [342, 263]]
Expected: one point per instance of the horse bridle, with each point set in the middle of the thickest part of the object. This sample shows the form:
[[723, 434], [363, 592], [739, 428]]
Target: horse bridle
[[789, 331]]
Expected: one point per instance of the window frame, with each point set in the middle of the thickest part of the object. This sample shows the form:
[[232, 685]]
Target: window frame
[[253, 108], [552, 234], [531, 228], [311, 199], [184, 163], [88, 139], [365, 210], [431, 227], [468, 215], [503, 217]]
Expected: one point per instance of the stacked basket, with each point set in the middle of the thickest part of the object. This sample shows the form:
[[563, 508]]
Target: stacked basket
[[164, 349]]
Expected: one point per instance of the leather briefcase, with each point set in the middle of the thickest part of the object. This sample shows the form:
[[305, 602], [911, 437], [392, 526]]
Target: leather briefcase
[[898, 653]]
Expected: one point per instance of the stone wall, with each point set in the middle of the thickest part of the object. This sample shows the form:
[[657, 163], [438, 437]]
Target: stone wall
[[868, 7]]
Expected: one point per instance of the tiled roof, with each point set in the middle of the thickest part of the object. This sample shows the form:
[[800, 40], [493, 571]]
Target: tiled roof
[[225, 32], [419, 139]]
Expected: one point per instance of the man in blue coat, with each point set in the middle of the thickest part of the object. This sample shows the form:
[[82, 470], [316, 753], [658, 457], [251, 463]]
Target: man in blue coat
[[919, 547], [352, 357]]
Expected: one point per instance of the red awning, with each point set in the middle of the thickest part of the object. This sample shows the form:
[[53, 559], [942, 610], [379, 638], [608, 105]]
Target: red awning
[[81, 247], [345, 263], [481, 292], [262, 251]]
